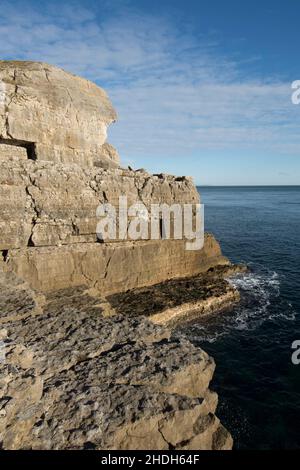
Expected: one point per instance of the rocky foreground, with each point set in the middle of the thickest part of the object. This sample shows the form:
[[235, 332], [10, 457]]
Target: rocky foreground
[[78, 376]]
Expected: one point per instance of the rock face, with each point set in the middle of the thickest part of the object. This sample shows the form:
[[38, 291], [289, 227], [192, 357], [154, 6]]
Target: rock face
[[87, 362], [48, 204], [48, 227], [52, 114]]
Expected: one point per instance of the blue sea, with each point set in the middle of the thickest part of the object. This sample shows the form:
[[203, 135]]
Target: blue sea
[[258, 386]]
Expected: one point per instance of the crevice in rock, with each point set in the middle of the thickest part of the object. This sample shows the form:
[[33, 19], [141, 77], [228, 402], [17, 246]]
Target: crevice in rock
[[170, 446], [105, 197], [30, 241], [107, 266], [161, 228], [75, 229], [28, 146], [36, 212], [140, 190], [5, 255]]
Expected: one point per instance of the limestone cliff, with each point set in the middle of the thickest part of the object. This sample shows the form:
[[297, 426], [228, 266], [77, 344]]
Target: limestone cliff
[[87, 362], [52, 114]]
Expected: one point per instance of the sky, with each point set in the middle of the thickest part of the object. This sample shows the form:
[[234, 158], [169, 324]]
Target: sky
[[202, 88]]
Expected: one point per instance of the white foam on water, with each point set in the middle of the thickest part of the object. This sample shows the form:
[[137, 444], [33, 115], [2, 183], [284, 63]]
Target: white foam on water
[[259, 290]]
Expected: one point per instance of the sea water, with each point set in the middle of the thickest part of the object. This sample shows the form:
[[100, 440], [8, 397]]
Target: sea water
[[257, 383]]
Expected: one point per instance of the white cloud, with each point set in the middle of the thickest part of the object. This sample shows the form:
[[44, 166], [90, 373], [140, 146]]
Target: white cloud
[[174, 93]]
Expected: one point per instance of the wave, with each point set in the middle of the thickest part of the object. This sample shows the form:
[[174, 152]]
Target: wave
[[260, 302]]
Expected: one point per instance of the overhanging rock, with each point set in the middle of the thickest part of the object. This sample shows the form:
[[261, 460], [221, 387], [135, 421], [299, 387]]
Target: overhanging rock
[[54, 115]]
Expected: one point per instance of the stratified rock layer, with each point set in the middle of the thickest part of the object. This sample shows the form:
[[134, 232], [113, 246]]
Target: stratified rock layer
[[48, 227]]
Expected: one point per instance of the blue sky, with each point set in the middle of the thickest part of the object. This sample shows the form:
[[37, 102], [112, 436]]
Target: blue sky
[[202, 88]]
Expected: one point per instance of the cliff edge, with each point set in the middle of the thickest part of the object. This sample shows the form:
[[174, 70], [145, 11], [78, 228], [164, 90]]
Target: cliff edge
[[87, 358]]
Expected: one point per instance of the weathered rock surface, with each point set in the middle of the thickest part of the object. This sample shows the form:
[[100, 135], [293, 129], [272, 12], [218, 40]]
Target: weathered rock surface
[[53, 114], [12, 151], [50, 204], [111, 267], [181, 299], [108, 158], [73, 378]]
